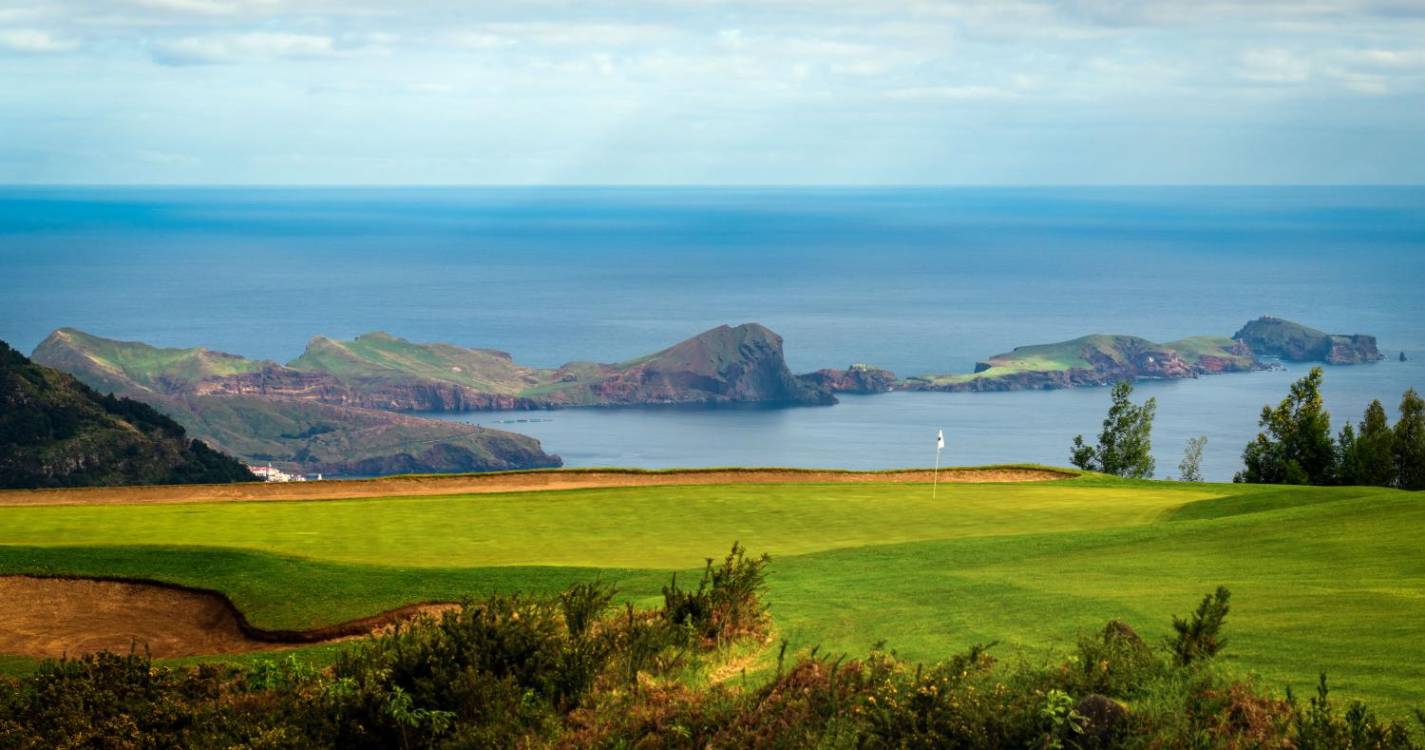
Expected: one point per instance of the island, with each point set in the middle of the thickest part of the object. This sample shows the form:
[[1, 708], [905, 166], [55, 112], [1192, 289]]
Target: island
[[1104, 359]]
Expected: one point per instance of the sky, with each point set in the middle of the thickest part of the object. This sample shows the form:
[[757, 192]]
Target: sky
[[804, 92]]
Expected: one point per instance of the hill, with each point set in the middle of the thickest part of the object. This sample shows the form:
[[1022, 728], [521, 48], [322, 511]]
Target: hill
[[268, 419], [1294, 342], [727, 364], [58, 432]]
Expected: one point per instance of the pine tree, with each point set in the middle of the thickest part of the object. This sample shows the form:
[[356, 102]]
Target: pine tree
[[1410, 442], [1125, 445], [1375, 449]]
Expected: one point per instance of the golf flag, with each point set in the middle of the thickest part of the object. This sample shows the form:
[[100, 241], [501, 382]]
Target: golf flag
[[939, 439]]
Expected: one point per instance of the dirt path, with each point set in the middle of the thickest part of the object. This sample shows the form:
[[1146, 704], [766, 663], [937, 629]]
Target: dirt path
[[514, 481], [53, 617]]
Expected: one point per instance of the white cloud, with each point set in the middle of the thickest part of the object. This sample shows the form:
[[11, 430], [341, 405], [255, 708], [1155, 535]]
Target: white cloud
[[1388, 58], [200, 7], [34, 41], [236, 48], [598, 35], [1274, 66], [951, 93]]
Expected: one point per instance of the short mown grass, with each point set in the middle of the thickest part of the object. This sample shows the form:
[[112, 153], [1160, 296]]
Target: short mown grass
[[1326, 579]]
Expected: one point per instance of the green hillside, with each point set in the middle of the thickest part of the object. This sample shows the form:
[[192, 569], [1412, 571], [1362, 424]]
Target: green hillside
[[58, 432], [1323, 578], [120, 365], [381, 356]]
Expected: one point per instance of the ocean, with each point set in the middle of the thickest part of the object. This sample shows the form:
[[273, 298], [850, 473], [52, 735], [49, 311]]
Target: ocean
[[917, 280]]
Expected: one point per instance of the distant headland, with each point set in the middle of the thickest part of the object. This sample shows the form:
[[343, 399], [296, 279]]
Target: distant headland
[[333, 408]]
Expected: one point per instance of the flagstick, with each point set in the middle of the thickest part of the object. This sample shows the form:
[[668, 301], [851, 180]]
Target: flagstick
[[935, 482]]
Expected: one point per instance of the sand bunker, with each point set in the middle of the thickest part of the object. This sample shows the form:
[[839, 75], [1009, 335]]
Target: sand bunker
[[53, 617], [517, 481]]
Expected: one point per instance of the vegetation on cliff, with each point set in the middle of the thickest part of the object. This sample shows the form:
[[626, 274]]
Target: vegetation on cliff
[[58, 432]]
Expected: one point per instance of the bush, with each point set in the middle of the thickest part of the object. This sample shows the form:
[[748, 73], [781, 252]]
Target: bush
[[560, 672], [728, 601], [1200, 637]]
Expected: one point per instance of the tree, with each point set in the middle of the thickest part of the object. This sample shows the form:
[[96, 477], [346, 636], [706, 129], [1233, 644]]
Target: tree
[[1348, 456], [1125, 446], [1190, 468], [1295, 446], [1372, 457], [1410, 442]]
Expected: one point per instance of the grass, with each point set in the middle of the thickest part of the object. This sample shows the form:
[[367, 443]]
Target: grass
[[1323, 578]]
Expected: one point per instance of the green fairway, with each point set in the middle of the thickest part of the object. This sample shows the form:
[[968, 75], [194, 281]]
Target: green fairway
[[1323, 578]]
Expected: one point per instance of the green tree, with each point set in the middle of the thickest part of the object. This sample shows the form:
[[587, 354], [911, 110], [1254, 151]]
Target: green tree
[[1410, 442], [1373, 456], [1348, 456], [1295, 446], [1190, 468], [1125, 447]]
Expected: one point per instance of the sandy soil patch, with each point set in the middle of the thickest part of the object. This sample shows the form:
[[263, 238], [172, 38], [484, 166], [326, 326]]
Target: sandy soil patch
[[54, 617], [518, 481]]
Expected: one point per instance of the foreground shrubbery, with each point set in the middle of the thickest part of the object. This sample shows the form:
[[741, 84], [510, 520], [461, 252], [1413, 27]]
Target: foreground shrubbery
[[567, 672]]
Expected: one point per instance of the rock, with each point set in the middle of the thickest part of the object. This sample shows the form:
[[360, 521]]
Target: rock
[[857, 378], [1294, 342], [1105, 720]]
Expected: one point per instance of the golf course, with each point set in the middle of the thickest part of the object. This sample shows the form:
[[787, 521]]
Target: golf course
[[1323, 579]]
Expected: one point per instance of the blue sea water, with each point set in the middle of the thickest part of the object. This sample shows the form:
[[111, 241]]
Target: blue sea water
[[918, 280]]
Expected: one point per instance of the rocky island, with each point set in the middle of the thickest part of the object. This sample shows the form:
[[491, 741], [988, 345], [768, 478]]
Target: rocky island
[[1105, 359], [1294, 342]]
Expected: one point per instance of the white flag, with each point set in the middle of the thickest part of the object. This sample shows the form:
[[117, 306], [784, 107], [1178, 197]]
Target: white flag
[[939, 439]]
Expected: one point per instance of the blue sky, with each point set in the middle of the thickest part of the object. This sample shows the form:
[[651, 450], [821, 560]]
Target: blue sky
[[707, 92]]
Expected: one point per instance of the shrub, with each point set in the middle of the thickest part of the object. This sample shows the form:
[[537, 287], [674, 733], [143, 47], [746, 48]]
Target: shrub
[[728, 601], [1200, 637]]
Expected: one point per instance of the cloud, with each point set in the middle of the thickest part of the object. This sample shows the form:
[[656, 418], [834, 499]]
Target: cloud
[[32, 41], [214, 49], [1388, 59], [576, 34], [1274, 66], [200, 7], [951, 93]]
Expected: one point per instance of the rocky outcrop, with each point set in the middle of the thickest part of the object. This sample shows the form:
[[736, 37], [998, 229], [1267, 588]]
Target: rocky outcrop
[[1087, 361], [276, 381], [741, 364], [498, 454], [857, 378], [1294, 342]]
